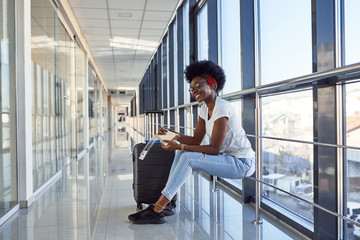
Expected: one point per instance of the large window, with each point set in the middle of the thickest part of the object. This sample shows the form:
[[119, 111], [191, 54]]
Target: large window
[[164, 74], [8, 160], [352, 181], [288, 165], [175, 78], [352, 33], [202, 34], [285, 39], [229, 43], [186, 48]]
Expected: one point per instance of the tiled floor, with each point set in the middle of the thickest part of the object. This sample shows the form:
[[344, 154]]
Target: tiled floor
[[93, 198]]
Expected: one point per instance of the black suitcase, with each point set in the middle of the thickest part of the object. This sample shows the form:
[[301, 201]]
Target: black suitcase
[[150, 175]]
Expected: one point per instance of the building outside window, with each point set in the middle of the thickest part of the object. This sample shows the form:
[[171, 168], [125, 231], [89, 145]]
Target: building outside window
[[288, 165]]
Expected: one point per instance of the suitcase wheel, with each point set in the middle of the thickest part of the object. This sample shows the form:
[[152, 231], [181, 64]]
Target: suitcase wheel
[[139, 205]]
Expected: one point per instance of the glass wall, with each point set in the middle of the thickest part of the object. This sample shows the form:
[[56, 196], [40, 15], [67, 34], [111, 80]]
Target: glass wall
[[294, 37], [98, 106], [202, 34], [91, 104], [104, 111], [8, 159], [80, 83], [230, 43], [43, 43], [352, 172], [63, 93], [285, 39]]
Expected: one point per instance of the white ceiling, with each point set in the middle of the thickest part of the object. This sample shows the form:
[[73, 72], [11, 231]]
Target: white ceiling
[[123, 36]]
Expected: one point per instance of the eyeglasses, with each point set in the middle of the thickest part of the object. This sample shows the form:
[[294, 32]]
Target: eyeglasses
[[196, 86]]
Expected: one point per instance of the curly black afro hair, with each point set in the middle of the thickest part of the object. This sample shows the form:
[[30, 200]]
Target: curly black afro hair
[[204, 69]]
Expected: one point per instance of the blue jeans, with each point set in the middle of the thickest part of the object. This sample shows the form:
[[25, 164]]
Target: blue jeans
[[217, 165]]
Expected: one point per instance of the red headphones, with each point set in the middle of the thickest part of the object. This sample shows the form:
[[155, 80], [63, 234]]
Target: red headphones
[[212, 82]]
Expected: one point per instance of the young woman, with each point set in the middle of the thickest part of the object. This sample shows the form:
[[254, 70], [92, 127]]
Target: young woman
[[229, 154]]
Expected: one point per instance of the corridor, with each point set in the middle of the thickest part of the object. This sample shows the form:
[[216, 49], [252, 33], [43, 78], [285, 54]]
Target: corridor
[[93, 197]]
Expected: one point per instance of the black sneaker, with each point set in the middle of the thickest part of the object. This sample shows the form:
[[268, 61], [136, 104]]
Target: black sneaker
[[147, 216], [169, 210]]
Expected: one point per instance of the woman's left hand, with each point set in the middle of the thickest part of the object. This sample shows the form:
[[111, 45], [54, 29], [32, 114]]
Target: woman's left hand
[[170, 145]]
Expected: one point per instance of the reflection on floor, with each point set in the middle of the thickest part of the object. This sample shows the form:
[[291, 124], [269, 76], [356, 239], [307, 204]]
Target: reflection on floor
[[94, 196]]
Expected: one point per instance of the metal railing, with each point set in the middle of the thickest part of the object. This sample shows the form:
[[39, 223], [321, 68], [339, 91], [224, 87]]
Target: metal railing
[[304, 200], [258, 181], [349, 72]]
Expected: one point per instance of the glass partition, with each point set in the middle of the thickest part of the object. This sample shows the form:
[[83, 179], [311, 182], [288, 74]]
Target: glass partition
[[8, 158], [91, 104], [43, 44], [79, 83], [63, 93]]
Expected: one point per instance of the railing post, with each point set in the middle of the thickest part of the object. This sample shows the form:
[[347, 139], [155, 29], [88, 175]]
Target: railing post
[[214, 180], [258, 161]]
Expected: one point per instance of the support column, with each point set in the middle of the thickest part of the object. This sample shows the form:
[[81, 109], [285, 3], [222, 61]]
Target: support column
[[325, 124], [248, 77], [24, 102]]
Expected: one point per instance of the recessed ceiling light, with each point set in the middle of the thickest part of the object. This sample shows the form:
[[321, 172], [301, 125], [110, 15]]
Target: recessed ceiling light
[[125, 15]]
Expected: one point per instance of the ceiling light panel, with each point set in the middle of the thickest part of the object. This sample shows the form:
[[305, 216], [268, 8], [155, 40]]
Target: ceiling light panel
[[121, 14]]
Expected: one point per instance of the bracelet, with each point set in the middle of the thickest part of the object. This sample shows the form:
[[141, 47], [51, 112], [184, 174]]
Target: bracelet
[[182, 146]]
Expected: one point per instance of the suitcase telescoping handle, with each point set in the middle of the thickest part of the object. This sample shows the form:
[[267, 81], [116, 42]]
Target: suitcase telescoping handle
[[147, 135]]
